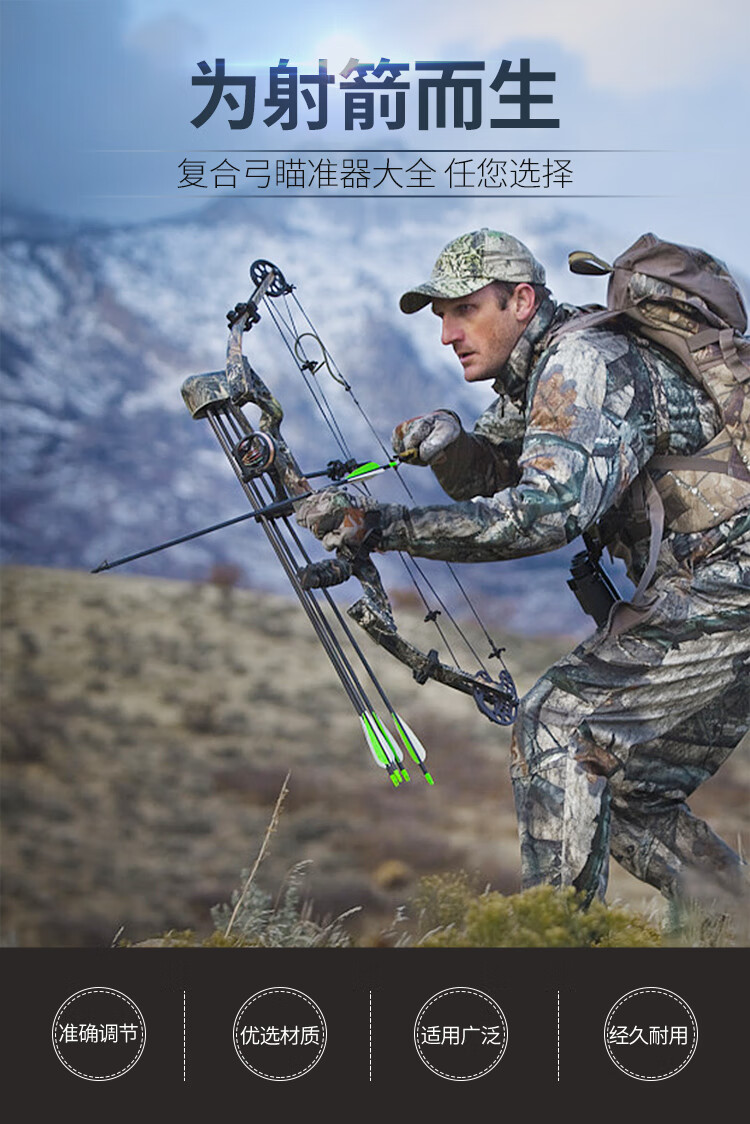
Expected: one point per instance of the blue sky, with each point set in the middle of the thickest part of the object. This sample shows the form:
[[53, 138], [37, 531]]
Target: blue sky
[[83, 77]]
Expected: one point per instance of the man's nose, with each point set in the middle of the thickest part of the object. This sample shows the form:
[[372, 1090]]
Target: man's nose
[[451, 331]]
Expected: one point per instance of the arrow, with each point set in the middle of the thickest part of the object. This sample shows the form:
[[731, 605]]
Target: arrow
[[271, 511], [412, 743]]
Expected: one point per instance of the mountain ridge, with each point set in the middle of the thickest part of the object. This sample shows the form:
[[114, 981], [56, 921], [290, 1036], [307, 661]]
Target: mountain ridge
[[102, 324]]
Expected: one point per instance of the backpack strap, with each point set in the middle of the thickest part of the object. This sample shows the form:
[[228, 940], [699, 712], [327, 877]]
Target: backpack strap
[[696, 463], [728, 344], [655, 510]]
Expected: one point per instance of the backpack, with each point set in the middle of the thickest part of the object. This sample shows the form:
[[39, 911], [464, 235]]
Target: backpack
[[687, 302]]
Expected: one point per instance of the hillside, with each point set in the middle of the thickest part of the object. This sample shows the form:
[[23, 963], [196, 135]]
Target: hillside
[[147, 726]]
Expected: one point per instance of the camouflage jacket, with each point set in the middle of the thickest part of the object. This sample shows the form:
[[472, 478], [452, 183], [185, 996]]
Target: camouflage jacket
[[575, 421]]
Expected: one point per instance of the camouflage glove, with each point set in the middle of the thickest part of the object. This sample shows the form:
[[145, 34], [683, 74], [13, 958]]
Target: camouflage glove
[[429, 436], [336, 518]]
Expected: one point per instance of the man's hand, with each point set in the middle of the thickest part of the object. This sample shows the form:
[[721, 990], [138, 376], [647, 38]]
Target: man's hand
[[334, 517], [428, 436]]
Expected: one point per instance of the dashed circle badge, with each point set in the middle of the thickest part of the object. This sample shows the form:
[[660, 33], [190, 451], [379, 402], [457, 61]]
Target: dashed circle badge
[[98, 1033], [279, 1034], [650, 1034], [461, 1033]]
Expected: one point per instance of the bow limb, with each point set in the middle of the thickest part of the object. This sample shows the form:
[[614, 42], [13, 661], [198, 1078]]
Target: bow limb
[[496, 699]]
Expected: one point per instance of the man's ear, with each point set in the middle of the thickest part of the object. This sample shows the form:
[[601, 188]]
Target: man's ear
[[524, 302]]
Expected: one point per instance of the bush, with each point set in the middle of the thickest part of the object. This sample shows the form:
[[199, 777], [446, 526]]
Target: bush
[[451, 915]]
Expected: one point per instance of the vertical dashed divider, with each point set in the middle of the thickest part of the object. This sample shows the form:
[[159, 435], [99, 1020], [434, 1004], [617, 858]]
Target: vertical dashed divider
[[558, 1036]]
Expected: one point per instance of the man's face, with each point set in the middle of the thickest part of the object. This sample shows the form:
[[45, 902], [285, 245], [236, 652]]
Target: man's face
[[481, 333]]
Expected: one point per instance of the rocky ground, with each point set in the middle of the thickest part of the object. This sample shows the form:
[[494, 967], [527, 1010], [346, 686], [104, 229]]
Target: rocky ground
[[147, 727]]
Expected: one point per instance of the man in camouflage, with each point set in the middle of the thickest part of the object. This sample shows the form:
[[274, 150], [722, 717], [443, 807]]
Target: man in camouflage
[[614, 738]]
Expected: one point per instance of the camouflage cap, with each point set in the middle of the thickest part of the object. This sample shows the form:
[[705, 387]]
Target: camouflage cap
[[474, 260]]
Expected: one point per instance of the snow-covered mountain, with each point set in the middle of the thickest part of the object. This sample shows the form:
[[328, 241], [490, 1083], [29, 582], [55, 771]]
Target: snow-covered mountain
[[100, 326]]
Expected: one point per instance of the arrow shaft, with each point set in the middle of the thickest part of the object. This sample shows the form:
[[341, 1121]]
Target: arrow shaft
[[173, 542], [275, 509]]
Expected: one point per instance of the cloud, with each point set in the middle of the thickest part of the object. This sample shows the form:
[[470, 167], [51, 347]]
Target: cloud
[[625, 46]]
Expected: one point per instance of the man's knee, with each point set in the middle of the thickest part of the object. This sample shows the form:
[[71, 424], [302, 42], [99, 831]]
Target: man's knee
[[552, 727], [539, 734]]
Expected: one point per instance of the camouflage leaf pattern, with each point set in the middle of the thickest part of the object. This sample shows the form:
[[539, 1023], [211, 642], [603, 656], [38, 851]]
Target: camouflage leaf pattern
[[599, 403], [614, 738]]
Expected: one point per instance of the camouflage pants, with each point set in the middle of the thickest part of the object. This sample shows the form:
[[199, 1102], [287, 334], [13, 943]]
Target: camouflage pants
[[612, 740]]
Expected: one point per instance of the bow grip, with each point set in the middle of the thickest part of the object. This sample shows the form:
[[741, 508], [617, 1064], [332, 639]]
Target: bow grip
[[328, 572]]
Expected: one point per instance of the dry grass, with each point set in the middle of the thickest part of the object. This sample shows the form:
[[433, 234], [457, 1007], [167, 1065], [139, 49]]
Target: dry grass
[[146, 733]]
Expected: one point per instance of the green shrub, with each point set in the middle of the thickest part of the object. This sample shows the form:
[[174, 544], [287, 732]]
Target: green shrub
[[450, 915]]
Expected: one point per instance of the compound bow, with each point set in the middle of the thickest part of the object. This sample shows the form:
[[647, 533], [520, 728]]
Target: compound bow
[[272, 481]]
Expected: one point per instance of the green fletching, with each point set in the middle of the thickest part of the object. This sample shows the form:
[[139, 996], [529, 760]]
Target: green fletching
[[392, 745], [372, 468], [412, 743], [373, 742], [409, 738], [369, 467]]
